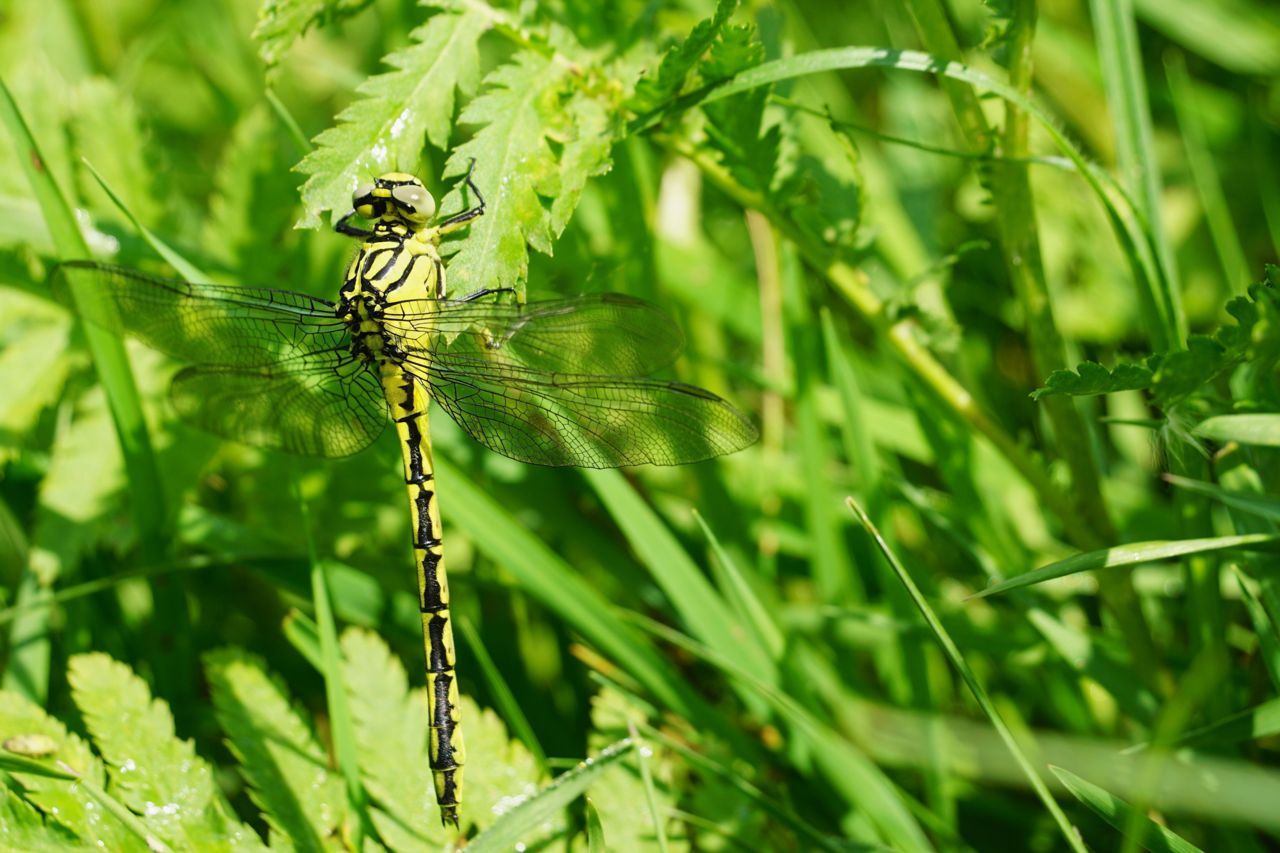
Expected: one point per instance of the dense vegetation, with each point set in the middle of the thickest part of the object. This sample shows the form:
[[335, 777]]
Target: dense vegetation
[[991, 278]]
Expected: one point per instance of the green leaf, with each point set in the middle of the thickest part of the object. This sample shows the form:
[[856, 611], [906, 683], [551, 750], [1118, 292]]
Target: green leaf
[[515, 170], [626, 804], [1256, 723], [1254, 504], [248, 219], [1262, 430], [25, 829], [655, 91], [383, 129], [591, 134], [1121, 815], [106, 128], [282, 22], [528, 816], [287, 770], [702, 609], [1090, 378], [153, 773], [391, 730], [71, 806], [1132, 555], [735, 127]]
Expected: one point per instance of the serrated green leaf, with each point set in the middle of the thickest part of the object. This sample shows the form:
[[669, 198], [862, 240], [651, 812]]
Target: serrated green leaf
[[107, 128], [287, 770], [68, 805], [515, 169], [1119, 814], [383, 129], [679, 60], [736, 127], [249, 216], [619, 797], [500, 771], [391, 730], [1092, 378], [736, 49], [153, 772], [282, 22], [23, 828], [585, 155]]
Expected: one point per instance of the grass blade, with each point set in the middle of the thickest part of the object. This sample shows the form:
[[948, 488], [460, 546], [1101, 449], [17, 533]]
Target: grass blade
[[532, 812], [508, 706], [957, 660], [1132, 555], [1118, 813], [1254, 504], [1262, 430]]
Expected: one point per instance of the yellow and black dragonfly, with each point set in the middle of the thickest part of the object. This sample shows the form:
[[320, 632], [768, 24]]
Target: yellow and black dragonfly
[[559, 382]]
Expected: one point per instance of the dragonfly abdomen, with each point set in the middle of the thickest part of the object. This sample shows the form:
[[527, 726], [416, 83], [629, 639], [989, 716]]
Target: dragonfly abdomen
[[447, 754]]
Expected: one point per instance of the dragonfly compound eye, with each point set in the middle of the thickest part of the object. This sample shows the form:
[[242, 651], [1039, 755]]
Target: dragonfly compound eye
[[415, 201], [362, 201]]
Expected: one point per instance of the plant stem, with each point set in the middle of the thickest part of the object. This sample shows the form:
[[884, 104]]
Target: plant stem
[[1020, 246]]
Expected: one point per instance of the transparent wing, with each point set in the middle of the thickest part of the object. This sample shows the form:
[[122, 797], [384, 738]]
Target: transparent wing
[[602, 334], [234, 326], [576, 419], [322, 404]]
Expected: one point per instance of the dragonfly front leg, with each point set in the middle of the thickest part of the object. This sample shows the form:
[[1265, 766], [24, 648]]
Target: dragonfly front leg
[[343, 226], [456, 221]]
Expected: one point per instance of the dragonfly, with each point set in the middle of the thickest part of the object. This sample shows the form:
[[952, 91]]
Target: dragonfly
[[561, 382]]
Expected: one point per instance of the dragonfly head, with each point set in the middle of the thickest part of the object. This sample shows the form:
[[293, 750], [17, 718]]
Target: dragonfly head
[[393, 197]]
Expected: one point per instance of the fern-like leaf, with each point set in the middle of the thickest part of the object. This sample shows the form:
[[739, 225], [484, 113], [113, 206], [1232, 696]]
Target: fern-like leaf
[[383, 130], [391, 731], [154, 774], [287, 770], [653, 92], [282, 22], [515, 168], [1091, 378], [23, 828], [65, 805]]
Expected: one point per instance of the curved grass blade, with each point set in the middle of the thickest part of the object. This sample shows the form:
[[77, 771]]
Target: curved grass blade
[[650, 794], [549, 579], [147, 501], [1131, 227], [525, 818], [1254, 504], [502, 695], [854, 776], [1262, 430], [979, 693], [1118, 813], [595, 831], [1132, 555]]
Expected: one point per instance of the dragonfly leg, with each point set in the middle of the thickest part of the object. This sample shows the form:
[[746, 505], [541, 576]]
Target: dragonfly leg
[[343, 226], [483, 292], [459, 219]]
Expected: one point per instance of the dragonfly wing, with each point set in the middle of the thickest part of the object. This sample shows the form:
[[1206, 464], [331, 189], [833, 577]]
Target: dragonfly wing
[[235, 326], [604, 334], [586, 421], [321, 404]]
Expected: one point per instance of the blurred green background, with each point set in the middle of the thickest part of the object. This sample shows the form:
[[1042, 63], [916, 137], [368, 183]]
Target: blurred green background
[[880, 274]]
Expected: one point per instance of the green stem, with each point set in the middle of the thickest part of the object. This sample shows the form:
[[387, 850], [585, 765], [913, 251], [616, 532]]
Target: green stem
[[854, 286], [1020, 246]]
